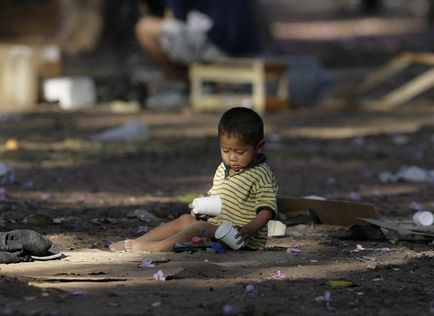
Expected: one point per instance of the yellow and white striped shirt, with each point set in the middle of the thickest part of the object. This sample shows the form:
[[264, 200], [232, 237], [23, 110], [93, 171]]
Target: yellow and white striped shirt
[[243, 195]]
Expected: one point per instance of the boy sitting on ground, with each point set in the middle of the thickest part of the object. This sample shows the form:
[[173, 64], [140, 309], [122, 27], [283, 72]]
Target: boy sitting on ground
[[243, 180]]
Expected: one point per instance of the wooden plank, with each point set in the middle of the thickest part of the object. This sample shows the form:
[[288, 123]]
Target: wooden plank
[[408, 91], [423, 58], [396, 65]]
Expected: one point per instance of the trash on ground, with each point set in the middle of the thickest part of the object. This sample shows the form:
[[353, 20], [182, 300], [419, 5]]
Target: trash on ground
[[142, 229], [7, 175], [324, 298], [79, 293], [20, 244], [134, 130], [250, 289], [145, 215], [38, 219], [147, 263], [278, 275], [159, 276], [229, 309], [400, 139], [410, 174], [361, 232], [72, 92], [156, 304], [423, 218], [331, 212], [293, 249], [403, 229], [276, 228]]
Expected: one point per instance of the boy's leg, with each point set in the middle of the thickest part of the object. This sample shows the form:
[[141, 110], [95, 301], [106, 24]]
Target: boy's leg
[[186, 234], [159, 233], [148, 31]]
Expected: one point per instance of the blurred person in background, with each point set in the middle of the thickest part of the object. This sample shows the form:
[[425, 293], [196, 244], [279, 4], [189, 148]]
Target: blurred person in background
[[175, 33]]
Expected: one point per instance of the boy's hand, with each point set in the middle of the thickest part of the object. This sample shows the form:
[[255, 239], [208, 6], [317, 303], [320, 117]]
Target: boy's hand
[[255, 225], [245, 232]]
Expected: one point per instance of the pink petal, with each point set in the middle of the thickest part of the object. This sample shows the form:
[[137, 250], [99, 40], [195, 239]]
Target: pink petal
[[230, 309], [250, 289], [141, 230], [159, 276], [147, 263], [79, 293], [293, 249], [278, 275]]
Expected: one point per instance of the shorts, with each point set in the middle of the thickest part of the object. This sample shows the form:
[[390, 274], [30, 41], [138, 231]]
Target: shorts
[[187, 42]]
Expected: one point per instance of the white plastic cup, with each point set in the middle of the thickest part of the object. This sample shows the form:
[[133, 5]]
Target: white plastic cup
[[226, 232], [209, 205], [423, 218]]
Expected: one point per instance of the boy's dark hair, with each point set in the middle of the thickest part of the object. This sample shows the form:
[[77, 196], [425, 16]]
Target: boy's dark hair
[[242, 123]]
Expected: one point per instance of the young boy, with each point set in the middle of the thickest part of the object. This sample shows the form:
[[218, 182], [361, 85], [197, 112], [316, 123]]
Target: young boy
[[243, 180]]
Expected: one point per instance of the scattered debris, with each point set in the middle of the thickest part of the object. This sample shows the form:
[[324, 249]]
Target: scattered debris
[[145, 215], [293, 249], [341, 213], [134, 130], [410, 174], [361, 232], [79, 293], [400, 139], [38, 219], [2, 194], [72, 92], [324, 298], [6, 174], [229, 309], [278, 275], [156, 304], [146, 263], [159, 276], [142, 229], [423, 218], [250, 289], [403, 229], [276, 228]]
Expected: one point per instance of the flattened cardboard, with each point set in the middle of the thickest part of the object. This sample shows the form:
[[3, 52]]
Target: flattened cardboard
[[401, 230], [330, 212]]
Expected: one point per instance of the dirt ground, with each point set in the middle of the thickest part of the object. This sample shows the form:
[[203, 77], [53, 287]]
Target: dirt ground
[[91, 190]]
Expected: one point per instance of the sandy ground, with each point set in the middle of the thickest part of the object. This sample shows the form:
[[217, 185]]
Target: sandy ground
[[91, 190]]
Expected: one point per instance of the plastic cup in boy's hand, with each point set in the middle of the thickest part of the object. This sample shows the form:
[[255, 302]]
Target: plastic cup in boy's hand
[[208, 205], [226, 232]]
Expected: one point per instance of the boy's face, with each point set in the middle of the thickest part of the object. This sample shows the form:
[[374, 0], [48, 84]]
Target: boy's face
[[236, 153]]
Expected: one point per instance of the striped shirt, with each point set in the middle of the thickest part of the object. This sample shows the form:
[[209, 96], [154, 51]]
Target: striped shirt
[[243, 195]]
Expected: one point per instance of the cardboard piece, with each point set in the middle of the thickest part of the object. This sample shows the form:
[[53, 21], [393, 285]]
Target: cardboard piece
[[403, 229], [276, 228], [330, 212]]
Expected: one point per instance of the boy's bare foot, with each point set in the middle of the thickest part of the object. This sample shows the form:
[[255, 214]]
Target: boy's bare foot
[[118, 246], [134, 245]]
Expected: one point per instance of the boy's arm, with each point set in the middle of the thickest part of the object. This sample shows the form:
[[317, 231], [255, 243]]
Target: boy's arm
[[261, 219]]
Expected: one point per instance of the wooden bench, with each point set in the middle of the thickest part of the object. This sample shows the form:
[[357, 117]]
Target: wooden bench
[[255, 72]]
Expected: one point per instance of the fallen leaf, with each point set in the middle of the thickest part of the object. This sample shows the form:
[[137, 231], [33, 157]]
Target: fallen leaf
[[340, 283]]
